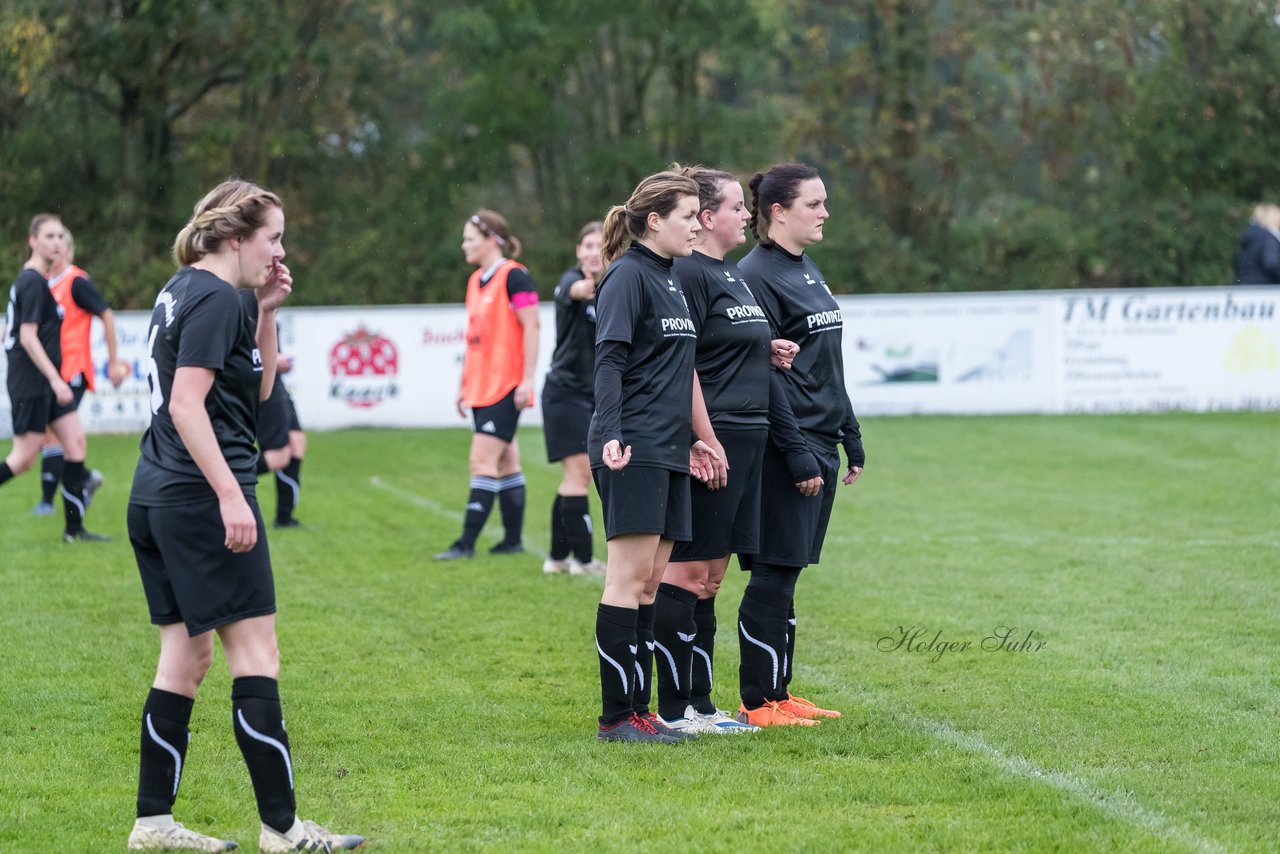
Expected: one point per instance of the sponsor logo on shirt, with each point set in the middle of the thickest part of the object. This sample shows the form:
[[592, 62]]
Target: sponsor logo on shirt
[[363, 366], [810, 280], [823, 321], [746, 314], [678, 326]]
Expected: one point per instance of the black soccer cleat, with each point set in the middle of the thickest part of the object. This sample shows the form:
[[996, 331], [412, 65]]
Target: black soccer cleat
[[507, 548], [287, 523], [456, 552], [635, 729], [84, 536]]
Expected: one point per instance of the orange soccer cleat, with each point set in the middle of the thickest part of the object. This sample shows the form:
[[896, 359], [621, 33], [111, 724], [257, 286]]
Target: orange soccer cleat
[[771, 714], [802, 708]]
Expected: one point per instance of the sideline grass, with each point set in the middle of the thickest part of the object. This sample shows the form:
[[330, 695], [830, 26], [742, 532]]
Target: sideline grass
[[451, 706]]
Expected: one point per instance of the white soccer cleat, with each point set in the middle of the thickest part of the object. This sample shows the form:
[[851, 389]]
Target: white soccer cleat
[[595, 566], [551, 566], [721, 722], [174, 837], [307, 836]]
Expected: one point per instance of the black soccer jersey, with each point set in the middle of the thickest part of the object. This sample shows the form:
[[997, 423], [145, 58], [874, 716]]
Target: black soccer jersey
[[639, 305], [86, 295], [30, 301], [198, 321], [800, 308], [733, 341], [573, 362]]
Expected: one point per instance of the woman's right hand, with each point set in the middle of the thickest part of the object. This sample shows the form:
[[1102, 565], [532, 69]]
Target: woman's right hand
[[62, 392], [615, 457], [238, 521], [810, 487], [461, 404]]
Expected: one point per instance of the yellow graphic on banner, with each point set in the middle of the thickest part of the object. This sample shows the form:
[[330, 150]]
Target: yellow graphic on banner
[[1251, 350]]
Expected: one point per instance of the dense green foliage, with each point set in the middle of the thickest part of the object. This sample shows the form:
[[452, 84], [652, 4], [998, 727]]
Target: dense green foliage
[[450, 707], [1040, 143]]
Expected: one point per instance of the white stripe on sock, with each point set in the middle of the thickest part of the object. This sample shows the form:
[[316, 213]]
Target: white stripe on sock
[[266, 739], [67, 496], [707, 659], [293, 485], [621, 672], [765, 647], [177, 758], [675, 675]]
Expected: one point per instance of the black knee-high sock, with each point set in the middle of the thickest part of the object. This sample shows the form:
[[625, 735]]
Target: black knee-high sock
[[616, 646], [6, 473], [673, 633], [259, 726], [479, 505], [73, 477], [511, 504], [644, 660], [762, 628], [576, 517], [165, 717], [789, 660], [559, 540], [704, 655], [288, 489], [261, 467], [52, 463]]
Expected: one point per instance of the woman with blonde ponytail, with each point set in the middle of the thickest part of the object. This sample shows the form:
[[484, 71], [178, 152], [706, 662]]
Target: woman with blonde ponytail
[[194, 522], [638, 441]]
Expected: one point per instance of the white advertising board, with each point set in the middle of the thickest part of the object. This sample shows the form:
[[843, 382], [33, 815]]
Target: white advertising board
[[1138, 350]]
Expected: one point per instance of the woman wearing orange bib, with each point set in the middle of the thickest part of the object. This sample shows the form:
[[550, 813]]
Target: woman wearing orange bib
[[497, 379]]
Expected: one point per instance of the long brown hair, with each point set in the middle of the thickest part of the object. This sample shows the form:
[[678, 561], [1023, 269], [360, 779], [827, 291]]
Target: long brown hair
[[779, 185], [493, 224], [659, 193], [233, 209]]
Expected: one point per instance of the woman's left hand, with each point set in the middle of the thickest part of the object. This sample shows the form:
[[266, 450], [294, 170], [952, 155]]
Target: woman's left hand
[[702, 461], [276, 290], [851, 475], [524, 396], [782, 352]]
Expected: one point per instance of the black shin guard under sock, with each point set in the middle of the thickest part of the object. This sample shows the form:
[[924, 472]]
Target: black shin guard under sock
[[288, 489], [643, 692], [616, 646], [559, 539], [511, 505], [52, 466], [673, 634], [575, 515], [762, 628], [704, 655], [479, 505], [73, 478], [259, 727], [165, 717]]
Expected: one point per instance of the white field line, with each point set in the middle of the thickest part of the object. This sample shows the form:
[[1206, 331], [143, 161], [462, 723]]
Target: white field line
[[1263, 540], [1121, 805], [437, 508]]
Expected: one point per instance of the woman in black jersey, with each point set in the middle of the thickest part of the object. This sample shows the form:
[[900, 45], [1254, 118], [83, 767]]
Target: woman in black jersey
[[788, 209], [568, 399], [639, 436], [731, 413], [194, 522], [497, 379], [38, 395]]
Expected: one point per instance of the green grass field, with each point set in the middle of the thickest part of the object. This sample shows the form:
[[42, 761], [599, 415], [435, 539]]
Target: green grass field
[[451, 707]]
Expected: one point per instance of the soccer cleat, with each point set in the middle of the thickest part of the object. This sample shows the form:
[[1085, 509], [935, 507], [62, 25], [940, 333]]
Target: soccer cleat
[[44, 508], [307, 836], [174, 837], [91, 484], [634, 728], [802, 708], [456, 551], [287, 523], [771, 714], [661, 726], [721, 722], [551, 566], [591, 567], [83, 536], [507, 548], [689, 723]]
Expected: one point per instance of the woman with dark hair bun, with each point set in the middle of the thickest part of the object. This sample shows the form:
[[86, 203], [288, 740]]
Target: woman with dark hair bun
[[639, 437], [497, 379], [788, 210]]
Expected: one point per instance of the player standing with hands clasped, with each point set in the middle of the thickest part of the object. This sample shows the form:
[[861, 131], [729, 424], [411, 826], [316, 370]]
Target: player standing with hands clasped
[[639, 437], [194, 522]]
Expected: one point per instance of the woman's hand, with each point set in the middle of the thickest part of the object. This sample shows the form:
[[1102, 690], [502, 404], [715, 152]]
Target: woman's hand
[[703, 460], [524, 396], [719, 464], [279, 284], [852, 474], [810, 487], [239, 522], [782, 353], [614, 456]]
